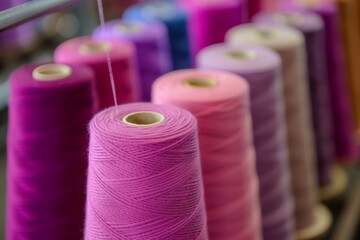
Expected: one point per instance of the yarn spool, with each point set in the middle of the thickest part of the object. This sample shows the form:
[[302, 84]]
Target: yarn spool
[[92, 53], [345, 143], [219, 101], [311, 25], [254, 6], [46, 172], [209, 20], [152, 48], [176, 22], [144, 177], [261, 68], [289, 43], [350, 14]]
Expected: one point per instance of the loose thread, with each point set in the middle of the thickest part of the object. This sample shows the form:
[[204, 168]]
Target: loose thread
[[107, 54]]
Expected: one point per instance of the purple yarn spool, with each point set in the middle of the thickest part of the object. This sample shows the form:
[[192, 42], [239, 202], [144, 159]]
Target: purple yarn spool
[[19, 38], [345, 143], [152, 48], [47, 144], [312, 27], [261, 68]]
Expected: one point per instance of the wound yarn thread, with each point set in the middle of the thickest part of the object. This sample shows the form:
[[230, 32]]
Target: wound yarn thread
[[219, 101], [311, 25], [152, 48], [345, 142], [144, 181], [289, 44], [92, 53], [46, 153], [176, 21], [261, 68], [209, 20]]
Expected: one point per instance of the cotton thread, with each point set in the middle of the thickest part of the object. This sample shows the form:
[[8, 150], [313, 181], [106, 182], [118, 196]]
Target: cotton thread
[[46, 147], [219, 100], [152, 48], [260, 67], [311, 25], [92, 53], [176, 21], [289, 43], [144, 178], [345, 143]]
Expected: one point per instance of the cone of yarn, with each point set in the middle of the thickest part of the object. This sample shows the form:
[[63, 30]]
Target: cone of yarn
[[345, 141], [261, 68], [220, 102], [152, 48], [350, 14], [50, 107], [289, 43], [176, 21], [209, 20], [144, 177], [93, 53], [311, 25], [254, 6]]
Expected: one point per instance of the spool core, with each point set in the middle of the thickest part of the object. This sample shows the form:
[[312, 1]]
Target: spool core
[[143, 119], [128, 27], [200, 82], [241, 55], [51, 72], [289, 18], [264, 33], [95, 47]]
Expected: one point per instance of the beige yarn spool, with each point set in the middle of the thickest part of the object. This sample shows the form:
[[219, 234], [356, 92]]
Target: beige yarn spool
[[289, 43]]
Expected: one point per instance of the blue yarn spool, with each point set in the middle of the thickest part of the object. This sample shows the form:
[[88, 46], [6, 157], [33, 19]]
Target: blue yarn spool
[[175, 20]]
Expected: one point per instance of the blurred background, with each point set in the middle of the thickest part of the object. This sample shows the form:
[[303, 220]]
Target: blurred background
[[36, 40]]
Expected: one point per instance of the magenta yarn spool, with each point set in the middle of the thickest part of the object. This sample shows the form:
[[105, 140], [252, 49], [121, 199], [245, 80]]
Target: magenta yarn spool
[[261, 68], [144, 177], [345, 142], [92, 53], [209, 20], [152, 48], [49, 110], [311, 25], [219, 101]]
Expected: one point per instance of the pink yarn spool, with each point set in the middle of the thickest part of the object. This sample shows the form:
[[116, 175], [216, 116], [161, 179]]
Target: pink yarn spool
[[144, 177], [90, 52], [209, 20], [50, 107], [261, 68], [220, 102]]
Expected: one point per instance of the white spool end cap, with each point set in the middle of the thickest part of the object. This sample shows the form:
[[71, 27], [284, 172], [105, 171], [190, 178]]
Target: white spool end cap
[[143, 119], [200, 82], [51, 72], [92, 47]]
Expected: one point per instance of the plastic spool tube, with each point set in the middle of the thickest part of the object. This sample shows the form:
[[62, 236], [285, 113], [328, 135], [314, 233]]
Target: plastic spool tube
[[289, 43], [260, 67]]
